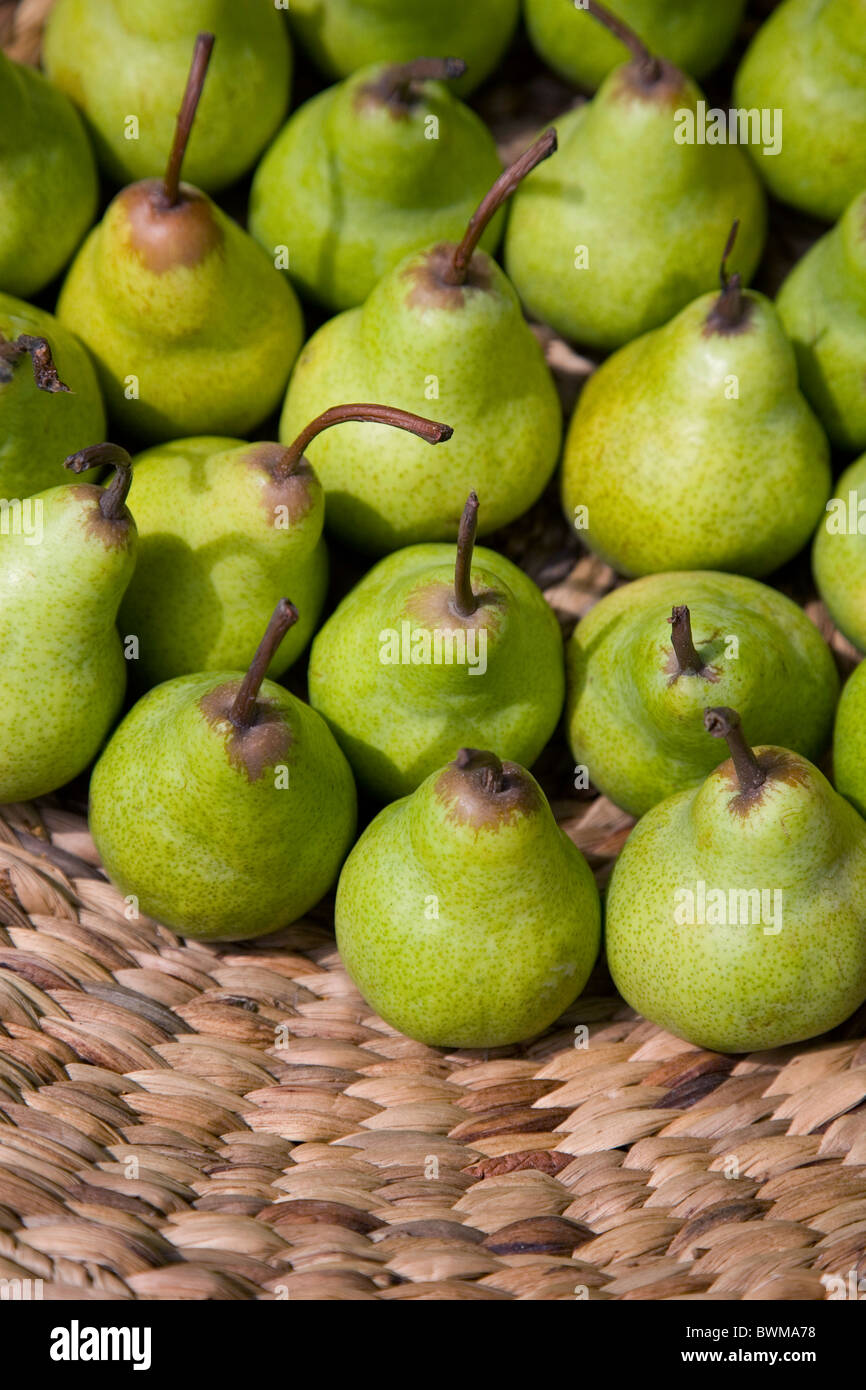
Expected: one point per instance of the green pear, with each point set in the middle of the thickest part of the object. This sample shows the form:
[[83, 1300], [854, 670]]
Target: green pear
[[48, 185], [464, 915], [736, 913], [693, 448], [808, 60], [50, 404], [849, 741], [624, 228], [445, 325], [192, 328], [366, 172], [125, 60], [822, 305], [344, 35], [222, 804], [427, 652], [839, 554], [643, 665], [224, 529], [66, 556], [694, 35]]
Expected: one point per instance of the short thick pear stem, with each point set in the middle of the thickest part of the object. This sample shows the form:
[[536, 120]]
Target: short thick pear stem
[[725, 723], [183, 129], [465, 602], [688, 659], [397, 82], [649, 64], [487, 767], [458, 267], [433, 431], [243, 711], [113, 499], [729, 308], [44, 370]]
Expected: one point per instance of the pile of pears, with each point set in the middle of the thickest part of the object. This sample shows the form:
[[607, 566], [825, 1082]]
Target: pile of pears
[[272, 383]]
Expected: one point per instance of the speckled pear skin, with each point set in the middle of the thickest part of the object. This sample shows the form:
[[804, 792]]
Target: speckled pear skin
[[822, 305], [399, 723], [188, 814], [809, 59], [63, 673], [849, 741], [48, 185], [353, 183], [386, 489], [637, 723], [691, 34], [344, 35], [518, 924], [220, 541], [652, 214], [839, 554], [194, 310], [39, 429], [674, 474], [735, 987], [117, 58]]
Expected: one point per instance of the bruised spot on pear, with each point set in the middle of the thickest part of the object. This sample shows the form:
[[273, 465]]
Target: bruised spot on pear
[[254, 749], [164, 236], [290, 485], [477, 789]]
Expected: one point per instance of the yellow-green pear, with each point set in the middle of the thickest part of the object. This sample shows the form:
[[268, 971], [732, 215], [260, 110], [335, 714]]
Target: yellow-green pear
[[839, 554]]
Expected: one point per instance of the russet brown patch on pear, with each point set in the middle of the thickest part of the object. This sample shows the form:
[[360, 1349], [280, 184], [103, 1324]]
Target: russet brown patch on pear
[[469, 801], [251, 751], [433, 605], [427, 287], [294, 491], [164, 237], [669, 88], [778, 765], [114, 534]]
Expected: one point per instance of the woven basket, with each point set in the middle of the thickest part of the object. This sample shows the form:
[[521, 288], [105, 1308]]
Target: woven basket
[[188, 1121]]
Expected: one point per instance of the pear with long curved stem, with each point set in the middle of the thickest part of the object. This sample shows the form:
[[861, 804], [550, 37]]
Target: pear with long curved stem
[[192, 328], [444, 326]]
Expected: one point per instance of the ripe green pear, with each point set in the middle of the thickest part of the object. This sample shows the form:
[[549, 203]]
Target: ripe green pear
[[692, 34], [344, 35], [65, 560], [464, 915], [839, 554], [119, 59], [445, 325], [426, 653], [48, 185], [360, 176], [693, 447], [822, 305], [849, 741], [222, 804], [50, 403], [736, 913], [649, 657], [192, 328], [808, 60], [624, 227]]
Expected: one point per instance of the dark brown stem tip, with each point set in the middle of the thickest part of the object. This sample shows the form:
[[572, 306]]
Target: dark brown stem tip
[[723, 722], [649, 64], [44, 370], [465, 602], [112, 502], [186, 115], [493, 200], [484, 766], [243, 711], [729, 310], [431, 431]]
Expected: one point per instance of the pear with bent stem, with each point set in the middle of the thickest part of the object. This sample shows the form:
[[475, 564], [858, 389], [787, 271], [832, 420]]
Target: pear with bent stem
[[736, 913], [192, 328], [444, 325], [222, 804], [645, 660], [225, 528], [62, 574], [464, 915], [430, 651], [366, 172]]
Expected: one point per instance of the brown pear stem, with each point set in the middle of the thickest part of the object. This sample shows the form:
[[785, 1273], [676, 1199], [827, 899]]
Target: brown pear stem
[[729, 308], [243, 710], [465, 602], [487, 767], [44, 370], [649, 64], [431, 430], [397, 82], [112, 502], [688, 659], [183, 129], [725, 723], [458, 267]]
